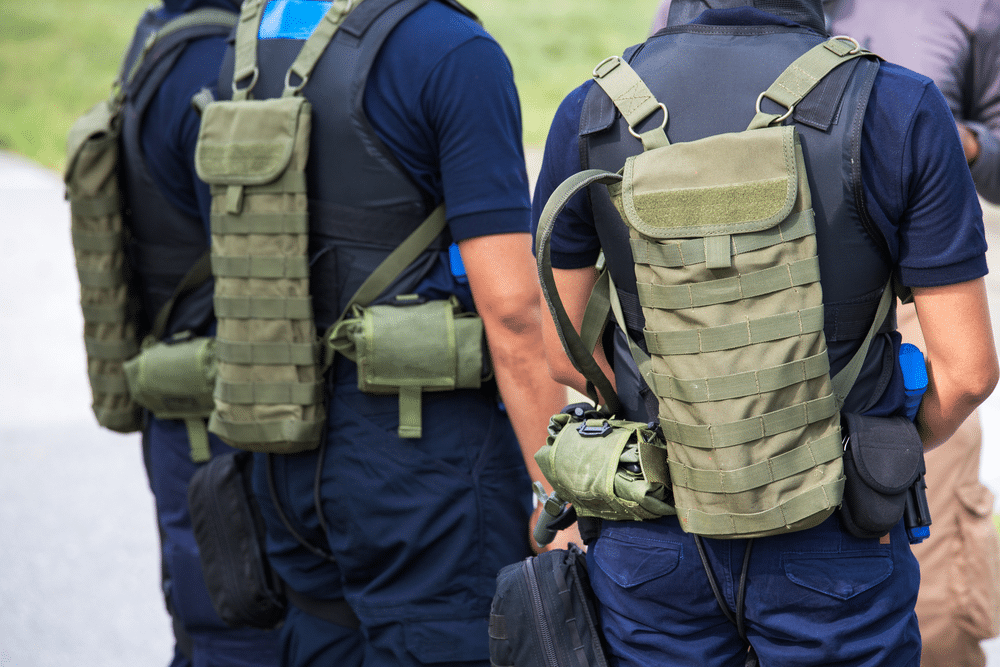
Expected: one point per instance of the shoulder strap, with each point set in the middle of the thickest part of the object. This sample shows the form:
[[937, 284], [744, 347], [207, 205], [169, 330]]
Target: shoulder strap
[[576, 349], [245, 64], [196, 275]]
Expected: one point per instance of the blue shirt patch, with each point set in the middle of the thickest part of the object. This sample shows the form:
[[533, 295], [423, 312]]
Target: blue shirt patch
[[291, 19]]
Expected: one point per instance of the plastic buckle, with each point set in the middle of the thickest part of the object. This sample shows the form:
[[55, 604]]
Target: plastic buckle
[[594, 428]]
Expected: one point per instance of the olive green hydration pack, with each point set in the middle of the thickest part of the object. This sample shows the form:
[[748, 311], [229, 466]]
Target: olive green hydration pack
[[111, 308], [269, 395], [723, 238]]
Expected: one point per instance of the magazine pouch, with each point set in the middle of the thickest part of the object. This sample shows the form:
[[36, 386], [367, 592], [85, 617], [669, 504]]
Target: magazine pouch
[[229, 531], [884, 457]]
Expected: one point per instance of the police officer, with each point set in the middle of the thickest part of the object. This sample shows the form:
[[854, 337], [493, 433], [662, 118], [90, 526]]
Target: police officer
[[413, 105], [892, 195], [168, 214]]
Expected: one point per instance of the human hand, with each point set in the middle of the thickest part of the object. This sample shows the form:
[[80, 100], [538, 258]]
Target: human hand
[[970, 144]]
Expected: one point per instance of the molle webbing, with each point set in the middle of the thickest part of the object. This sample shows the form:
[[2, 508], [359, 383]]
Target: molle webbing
[[108, 299], [253, 153]]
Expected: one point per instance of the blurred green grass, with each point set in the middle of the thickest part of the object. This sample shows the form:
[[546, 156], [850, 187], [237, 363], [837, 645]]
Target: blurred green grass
[[58, 57]]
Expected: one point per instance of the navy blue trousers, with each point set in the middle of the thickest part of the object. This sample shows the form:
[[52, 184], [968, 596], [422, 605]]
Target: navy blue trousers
[[213, 643], [814, 597], [419, 528]]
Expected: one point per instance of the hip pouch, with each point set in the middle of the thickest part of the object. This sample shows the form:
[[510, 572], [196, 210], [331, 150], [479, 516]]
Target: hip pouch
[[411, 347], [110, 309], [269, 393], [544, 613], [606, 468], [884, 457], [175, 379], [229, 530]]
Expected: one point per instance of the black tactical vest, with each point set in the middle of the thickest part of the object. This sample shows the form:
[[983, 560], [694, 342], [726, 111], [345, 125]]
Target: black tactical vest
[[362, 203], [709, 78], [165, 242]]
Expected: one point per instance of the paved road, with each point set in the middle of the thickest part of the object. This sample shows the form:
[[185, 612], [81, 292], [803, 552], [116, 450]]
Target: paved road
[[78, 563]]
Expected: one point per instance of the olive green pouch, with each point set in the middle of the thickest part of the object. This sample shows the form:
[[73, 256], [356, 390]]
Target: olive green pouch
[[174, 379], [408, 348], [607, 468]]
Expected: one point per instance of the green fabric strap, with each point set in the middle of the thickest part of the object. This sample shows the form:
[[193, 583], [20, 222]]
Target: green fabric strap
[[642, 360], [245, 56], [113, 350], [274, 393], [739, 385], [260, 223], [290, 182], [844, 380], [198, 437], [409, 412], [725, 290], [109, 313], [195, 276], [803, 75], [264, 354], [805, 457], [632, 97], [596, 314], [260, 267], [108, 384], [99, 278], [786, 514], [96, 241], [731, 336], [689, 252], [717, 436], [576, 349], [94, 207], [264, 308]]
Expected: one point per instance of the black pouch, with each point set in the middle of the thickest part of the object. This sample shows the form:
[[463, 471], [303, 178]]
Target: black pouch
[[544, 614], [883, 458], [229, 530]]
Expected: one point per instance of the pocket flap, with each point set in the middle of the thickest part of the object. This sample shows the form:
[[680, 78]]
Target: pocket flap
[[887, 451], [250, 142], [724, 184]]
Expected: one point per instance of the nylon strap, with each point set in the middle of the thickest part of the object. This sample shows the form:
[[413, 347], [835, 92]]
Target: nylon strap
[[805, 457], [260, 267], [632, 97], [844, 380], [264, 308], [409, 412], [732, 336], [195, 276], [267, 432], [717, 436], [198, 437], [725, 290], [314, 47], [579, 354], [788, 513], [96, 241], [266, 354], [261, 223], [677, 253], [273, 393], [739, 385], [803, 75]]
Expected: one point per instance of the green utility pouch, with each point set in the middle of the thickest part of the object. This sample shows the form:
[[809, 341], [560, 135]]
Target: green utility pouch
[[409, 349], [110, 309], [606, 468], [722, 234], [175, 379]]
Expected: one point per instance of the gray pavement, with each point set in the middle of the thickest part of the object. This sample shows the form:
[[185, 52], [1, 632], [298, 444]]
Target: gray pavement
[[78, 544]]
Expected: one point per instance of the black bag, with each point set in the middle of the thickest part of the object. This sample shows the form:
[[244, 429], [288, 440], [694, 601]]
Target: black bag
[[544, 614], [229, 531], [883, 459]]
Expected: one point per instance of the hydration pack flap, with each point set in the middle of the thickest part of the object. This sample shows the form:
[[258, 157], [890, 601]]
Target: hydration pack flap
[[723, 237]]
